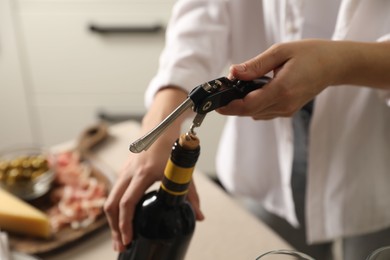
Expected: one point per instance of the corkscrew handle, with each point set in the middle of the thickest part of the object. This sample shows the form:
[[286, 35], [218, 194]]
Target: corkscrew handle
[[230, 91]]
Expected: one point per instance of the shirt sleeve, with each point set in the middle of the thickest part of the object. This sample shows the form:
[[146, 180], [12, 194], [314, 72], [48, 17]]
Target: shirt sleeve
[[196, 48]]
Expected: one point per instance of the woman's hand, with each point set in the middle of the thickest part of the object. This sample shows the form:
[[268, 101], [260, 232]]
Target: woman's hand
[[302, 69], [142, 170]]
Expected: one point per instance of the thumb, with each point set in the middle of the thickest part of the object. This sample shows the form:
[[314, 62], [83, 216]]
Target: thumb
[[258, 66]]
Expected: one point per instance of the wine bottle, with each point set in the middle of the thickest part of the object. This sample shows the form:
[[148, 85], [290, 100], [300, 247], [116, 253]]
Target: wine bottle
[[164, 220]]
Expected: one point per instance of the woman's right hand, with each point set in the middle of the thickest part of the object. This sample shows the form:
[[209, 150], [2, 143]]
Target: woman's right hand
[[143, 169]]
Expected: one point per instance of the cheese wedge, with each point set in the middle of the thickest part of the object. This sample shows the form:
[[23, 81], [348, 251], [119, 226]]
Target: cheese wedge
[[19, 217]]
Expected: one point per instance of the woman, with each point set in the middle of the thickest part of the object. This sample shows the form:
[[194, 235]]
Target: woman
[[349, 144]]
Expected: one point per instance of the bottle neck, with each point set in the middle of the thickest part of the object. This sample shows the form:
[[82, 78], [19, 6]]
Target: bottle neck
[[169, 199], [175, 183]]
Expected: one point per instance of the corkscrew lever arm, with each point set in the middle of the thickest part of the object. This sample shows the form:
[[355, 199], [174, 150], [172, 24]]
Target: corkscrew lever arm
[[203, 99], [143, 143], [228, 91]]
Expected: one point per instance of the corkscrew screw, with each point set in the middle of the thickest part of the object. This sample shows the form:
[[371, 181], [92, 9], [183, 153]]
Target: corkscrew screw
[[202, 99]]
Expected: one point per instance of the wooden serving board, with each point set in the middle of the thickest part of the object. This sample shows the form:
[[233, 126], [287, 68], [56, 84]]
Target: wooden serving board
[[63, 237]]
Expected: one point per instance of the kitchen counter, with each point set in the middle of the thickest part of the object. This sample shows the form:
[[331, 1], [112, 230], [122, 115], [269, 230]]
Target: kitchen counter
[[229, 231]]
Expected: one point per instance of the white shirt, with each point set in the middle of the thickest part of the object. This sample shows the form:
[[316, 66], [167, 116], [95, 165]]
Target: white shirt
[[349, 155]]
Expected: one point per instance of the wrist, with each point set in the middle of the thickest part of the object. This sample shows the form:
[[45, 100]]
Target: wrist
[[165, 101], [362, 64], [346, 56]]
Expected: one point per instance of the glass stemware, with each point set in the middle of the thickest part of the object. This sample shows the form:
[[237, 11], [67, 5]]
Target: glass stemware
[[288, 254], [382, 253]]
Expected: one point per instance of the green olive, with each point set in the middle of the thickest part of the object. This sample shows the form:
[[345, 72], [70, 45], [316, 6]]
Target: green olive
[[23, 169], [40, 164], [26, 164], [3, 175], [4, 165], [15, 163], [36, 174], [12, 177]]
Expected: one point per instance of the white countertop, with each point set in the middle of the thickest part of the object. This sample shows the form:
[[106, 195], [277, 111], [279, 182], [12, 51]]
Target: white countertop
[[229, 231]]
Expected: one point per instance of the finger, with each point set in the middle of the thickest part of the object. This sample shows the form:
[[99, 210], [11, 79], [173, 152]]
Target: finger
[[279, 109], [261, 114], [193, 198], [235, 107], [252, 104], [111, 209], [127, 205], [268, 115], [260, 65]]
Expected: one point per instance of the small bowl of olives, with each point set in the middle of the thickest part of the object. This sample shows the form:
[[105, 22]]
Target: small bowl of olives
[[28, 173]]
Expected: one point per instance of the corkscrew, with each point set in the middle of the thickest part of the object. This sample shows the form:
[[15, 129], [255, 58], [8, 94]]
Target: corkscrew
[[202, 99]]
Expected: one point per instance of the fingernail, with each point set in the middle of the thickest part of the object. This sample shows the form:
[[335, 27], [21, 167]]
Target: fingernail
[[126, 240], [121, 248], [199, 215], [114, 246]]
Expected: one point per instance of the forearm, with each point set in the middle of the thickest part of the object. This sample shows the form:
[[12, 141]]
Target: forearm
[[364, 64], [164, 102]]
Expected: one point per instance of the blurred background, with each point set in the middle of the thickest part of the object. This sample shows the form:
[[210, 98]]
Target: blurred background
[[66, 64]]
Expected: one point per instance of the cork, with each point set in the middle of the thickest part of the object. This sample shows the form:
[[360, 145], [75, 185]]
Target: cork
[[189, 141]]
